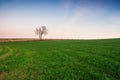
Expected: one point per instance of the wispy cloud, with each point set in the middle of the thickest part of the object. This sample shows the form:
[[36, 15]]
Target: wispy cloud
[[67, 4], [73, 20]]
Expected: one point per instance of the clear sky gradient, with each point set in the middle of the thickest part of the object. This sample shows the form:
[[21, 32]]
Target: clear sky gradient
[[67, 19]]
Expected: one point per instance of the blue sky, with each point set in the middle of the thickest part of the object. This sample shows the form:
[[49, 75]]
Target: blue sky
[[73, 19]]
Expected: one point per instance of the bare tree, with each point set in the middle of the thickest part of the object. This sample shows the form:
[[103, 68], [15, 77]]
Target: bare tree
[[41, 31]]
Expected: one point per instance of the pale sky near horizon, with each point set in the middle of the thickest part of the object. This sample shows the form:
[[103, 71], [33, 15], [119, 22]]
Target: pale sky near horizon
[[67, 19]]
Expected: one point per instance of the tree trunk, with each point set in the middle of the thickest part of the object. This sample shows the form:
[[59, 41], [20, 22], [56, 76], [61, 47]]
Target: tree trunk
[[40, 36]]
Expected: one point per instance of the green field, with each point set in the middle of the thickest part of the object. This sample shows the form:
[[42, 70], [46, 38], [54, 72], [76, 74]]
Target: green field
[[60, 60]]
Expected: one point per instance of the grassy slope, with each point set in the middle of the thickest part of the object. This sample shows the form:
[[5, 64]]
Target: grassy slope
[[60, 60]]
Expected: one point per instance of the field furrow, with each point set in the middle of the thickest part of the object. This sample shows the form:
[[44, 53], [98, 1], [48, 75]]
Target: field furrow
[[6, 54]]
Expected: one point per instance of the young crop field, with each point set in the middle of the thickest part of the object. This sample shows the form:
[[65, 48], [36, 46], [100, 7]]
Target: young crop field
[[60, 60]]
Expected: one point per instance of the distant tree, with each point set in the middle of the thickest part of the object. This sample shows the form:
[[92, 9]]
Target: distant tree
[[41, 31]]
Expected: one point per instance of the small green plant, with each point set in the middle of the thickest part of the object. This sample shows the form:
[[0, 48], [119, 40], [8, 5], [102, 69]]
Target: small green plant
[[60, 60]]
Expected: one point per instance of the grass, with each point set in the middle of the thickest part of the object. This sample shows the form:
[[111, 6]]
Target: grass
[[60, 60]]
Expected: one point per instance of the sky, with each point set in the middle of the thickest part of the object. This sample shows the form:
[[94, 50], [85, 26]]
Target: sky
[[64, 19]]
